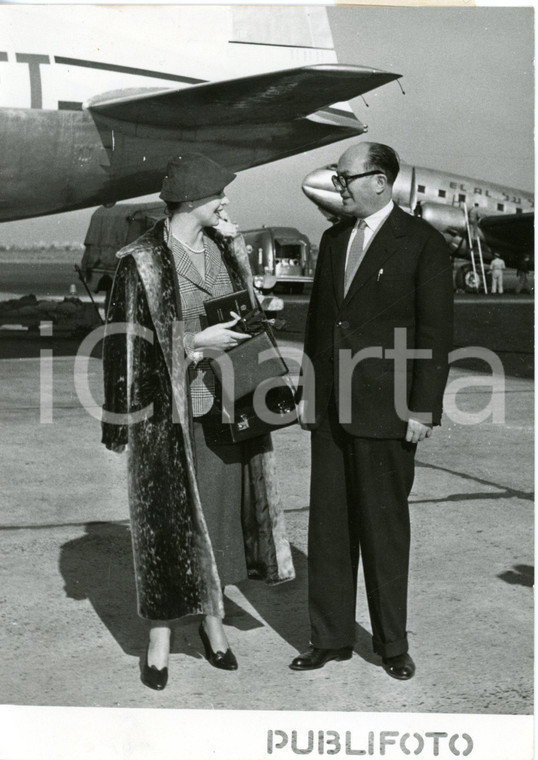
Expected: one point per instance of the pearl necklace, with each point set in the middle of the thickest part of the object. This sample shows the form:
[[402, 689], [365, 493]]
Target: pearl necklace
[[192, 250], [182, 242]]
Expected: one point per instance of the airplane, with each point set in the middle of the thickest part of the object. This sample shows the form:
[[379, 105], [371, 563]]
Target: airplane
[[475, 217], [94, 100]]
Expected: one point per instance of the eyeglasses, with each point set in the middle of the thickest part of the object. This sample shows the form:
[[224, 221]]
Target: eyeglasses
[[341, 181]]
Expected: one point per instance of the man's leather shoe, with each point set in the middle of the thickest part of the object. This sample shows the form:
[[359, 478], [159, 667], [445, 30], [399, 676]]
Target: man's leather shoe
[[401, 667], [315, 658]]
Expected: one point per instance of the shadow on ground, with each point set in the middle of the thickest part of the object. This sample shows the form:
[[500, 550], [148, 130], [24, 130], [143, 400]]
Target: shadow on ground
[[98, 566], [285, 608], [519, 575]]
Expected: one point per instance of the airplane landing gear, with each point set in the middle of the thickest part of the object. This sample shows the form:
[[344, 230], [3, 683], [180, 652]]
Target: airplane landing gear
[[469, 281]]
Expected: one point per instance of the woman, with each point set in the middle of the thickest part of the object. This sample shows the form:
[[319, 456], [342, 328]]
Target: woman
[[202, 516]]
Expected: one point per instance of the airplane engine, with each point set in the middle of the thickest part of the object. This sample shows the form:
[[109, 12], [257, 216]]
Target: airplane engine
[[447, 219]]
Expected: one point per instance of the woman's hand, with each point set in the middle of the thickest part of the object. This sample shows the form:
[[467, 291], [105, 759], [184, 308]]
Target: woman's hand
[[220, 336], [226, 227]]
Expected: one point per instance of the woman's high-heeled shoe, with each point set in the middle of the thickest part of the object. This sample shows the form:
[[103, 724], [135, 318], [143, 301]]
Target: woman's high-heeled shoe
[[152, 676], [223, 660]]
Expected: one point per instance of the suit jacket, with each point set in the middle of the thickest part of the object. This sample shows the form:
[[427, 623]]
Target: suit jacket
[[404, 281]]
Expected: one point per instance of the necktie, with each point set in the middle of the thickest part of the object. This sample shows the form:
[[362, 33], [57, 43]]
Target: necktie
[[356, 255]]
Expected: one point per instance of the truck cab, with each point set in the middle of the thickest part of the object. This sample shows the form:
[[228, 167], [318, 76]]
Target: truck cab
[[280, 257]]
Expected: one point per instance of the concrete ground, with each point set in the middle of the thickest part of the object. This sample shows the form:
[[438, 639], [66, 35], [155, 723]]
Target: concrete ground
[[71, 636]]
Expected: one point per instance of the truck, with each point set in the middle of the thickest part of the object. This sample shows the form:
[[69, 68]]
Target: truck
[[109, 230], [281, 258]]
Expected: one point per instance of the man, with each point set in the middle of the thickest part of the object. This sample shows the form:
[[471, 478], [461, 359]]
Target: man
[[497, 266], [523, 275], [377, 271]]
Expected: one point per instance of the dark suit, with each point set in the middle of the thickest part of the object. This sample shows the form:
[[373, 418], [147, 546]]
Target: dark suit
[[362, 469]]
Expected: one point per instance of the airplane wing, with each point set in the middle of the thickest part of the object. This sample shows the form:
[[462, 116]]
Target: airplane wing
[[263, 98], [512, 229], [509, 234]]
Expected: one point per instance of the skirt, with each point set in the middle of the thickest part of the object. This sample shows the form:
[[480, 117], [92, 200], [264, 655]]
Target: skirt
[[219, 471]]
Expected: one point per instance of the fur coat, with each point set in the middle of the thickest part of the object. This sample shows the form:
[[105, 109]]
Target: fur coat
[[145, 378]]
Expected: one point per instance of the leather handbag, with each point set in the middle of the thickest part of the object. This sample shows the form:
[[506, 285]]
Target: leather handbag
[[246, 423], [243, 364], [238, 419]]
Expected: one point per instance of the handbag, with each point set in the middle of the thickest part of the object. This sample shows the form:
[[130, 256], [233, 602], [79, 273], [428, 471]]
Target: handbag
[[220, 429], [235, 416], [241, 364]]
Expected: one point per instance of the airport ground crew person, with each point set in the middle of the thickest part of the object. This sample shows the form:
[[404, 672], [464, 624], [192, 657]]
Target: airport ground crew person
[[523, 275], [497, 268]]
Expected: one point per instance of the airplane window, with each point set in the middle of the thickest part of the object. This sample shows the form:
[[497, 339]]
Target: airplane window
[[461, 197], [421, 188], [500, 206], [442, 193]]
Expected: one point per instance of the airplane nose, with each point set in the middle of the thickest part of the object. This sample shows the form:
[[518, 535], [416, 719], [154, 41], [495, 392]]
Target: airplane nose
[[318, 187]]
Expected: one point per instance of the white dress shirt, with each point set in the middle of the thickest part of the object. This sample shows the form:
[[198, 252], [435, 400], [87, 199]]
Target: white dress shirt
[[373, 224]]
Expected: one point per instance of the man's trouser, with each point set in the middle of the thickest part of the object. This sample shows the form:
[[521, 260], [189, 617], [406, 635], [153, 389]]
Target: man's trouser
[[358, 505], [496, 282]]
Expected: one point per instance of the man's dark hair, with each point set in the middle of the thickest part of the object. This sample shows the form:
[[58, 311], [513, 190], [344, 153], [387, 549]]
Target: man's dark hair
[[385, 159]]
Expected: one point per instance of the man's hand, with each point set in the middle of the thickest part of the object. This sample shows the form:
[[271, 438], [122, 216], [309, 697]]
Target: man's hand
[[417, 432]]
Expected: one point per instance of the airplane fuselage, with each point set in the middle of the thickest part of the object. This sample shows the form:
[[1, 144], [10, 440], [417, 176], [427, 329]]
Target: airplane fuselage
[[416, 184], [55, 161], [449, 202]]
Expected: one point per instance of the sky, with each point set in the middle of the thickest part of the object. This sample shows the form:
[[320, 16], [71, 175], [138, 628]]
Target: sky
[[468, 109]]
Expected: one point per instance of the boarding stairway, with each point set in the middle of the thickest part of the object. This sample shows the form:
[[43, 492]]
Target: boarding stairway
[[475, 249]]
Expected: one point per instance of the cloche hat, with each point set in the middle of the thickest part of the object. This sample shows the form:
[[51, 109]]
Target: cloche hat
[[192, 176]]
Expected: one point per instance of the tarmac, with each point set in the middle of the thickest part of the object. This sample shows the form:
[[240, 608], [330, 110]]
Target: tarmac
[[71, 635]]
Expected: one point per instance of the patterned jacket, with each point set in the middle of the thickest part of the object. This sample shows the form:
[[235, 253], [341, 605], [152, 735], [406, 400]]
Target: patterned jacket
[[194, 290]]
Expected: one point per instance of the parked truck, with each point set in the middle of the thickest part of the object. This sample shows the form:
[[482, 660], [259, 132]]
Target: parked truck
[[280, 257], [109, 230]]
